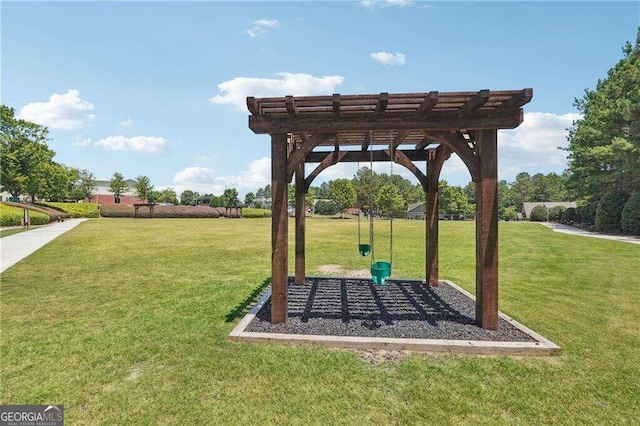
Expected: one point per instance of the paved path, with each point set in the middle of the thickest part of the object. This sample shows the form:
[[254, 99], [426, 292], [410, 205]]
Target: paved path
[[566, 229], [16, 247]]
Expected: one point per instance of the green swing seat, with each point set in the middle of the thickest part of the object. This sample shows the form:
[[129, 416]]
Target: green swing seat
[[380, 271], [364, 249]]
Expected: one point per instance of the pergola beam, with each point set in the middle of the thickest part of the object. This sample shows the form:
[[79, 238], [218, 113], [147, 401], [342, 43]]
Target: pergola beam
[[428, 103], [362, 156], [381, 105], [390, 121], [366, 142], [298, 155], [336, 104], [290, 104], [328, 160], [474, 103], [252, 105], [399, 138], [516, 101]]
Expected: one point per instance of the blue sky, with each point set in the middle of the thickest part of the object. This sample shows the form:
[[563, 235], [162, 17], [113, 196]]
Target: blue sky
[[158, 88]]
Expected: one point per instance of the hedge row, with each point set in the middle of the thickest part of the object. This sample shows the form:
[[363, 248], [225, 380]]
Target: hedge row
[[12, 216], [255, 213], [615, 212], [630, 218], [161, 211], [75, 209], [53, 214]]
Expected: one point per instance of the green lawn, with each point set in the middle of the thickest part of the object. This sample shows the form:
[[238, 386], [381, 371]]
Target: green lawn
[[125, 322]]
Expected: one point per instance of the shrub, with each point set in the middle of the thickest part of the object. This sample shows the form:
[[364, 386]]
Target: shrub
[[160, 211], [539, 214], [253, 213], [327, 208], [510, 213], [609, 211], [75, 209], [630, 218], [556, 213], [569, 215], [12, 216], [590, 213]]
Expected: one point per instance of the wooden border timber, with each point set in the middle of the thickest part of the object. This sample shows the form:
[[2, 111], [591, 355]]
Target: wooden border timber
[[541, 347]]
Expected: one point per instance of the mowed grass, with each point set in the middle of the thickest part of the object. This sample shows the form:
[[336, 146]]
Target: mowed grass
[[125, 321]]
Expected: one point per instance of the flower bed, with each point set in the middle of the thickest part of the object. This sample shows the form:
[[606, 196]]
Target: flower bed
[[75, 209], [161, 211], [12, 216]]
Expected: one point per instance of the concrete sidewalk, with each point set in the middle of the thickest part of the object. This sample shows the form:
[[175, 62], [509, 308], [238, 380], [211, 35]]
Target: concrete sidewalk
[[16, 247], [566, 229]]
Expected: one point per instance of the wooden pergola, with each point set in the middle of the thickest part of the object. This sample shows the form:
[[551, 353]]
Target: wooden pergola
[[414, 127]]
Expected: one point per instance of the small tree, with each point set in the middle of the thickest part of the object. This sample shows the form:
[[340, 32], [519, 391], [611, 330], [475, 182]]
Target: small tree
[[390, 201], [143, 187], [86, 183], [510, 213], [609, 211], [327, 208], [569, 215], [117, 185], [630, 218], [343, 194], [555, 215], [539, 214], [217, 201], [248, 199], [230, 197], [167, 195]]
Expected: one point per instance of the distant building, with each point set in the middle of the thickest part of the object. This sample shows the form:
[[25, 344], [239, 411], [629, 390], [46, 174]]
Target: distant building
[[416, 211], [4, 196], [527, 207], [102, 194]]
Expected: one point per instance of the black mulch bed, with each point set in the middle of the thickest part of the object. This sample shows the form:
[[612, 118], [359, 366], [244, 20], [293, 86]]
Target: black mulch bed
[[400, 308]]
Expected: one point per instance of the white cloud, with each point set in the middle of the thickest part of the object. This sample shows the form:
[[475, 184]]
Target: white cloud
[[147, 144], [235, 91], [66, 111], [126, 123], [373, 4], [261, 26], [455, 172], [386, 58], [533, 146], [256, 175], [194, 175], [82, 142]]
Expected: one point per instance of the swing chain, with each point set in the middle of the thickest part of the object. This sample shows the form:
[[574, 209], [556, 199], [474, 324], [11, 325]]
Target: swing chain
[[391, 212], [373, 257]]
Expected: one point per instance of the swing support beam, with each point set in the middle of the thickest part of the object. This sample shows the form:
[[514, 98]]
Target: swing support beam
[[413, 127]]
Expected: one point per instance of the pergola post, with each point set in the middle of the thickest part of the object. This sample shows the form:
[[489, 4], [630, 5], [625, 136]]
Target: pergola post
[[279, 228], [300, 223], [487, 230], [431, 218]]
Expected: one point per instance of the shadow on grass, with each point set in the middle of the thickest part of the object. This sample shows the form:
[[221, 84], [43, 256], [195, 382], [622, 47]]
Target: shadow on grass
[[242, 308]]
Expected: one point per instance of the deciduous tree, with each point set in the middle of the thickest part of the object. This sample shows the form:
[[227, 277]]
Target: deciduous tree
[[343, 194], [143, 187], [117, 185]]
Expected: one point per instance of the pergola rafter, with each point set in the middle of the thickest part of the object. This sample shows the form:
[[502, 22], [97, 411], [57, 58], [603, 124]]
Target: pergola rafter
[[362, 128]]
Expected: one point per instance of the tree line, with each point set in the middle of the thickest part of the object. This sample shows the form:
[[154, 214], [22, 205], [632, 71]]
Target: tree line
[[27, 166]]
